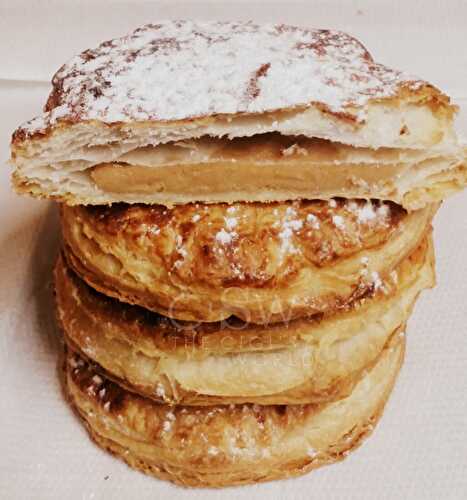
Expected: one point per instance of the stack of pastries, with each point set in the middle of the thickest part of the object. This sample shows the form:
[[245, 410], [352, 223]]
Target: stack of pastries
[[246, 216]]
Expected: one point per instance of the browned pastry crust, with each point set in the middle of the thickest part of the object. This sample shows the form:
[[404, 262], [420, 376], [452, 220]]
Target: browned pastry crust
[[260, 262], [304, 361], [228, 445]]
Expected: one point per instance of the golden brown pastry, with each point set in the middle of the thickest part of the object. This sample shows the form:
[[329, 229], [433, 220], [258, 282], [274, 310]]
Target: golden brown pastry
[[184, 111], [303, 361], [228, 445], [260, 262]]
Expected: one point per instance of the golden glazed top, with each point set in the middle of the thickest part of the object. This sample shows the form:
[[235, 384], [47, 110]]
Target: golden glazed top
[[254, 244]]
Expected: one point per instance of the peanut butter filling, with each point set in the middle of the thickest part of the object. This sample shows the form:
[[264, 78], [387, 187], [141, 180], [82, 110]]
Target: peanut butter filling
[[219, 177], [268, 162]]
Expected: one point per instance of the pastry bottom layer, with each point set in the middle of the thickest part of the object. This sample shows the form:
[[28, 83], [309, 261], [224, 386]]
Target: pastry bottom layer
[[228, 445]]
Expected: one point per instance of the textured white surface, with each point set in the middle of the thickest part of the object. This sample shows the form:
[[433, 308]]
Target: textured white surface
[[419, 448], [184, 69], [37, 37]]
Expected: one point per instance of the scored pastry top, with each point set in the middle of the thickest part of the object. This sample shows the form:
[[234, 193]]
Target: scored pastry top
[[179, 70]]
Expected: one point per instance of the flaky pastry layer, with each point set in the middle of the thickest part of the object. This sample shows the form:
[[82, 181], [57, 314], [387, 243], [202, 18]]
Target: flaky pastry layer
[[267, 167], [228, 445], [263, 263], [304, 361]]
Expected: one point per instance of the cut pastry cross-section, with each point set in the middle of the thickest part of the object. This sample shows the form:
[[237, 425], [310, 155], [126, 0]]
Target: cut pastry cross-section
[[182, 112]]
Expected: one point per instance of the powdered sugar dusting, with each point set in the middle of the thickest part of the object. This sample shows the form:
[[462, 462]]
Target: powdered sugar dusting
[[338, 221], [184, 69], [370, 213], [367, 213], [377, 282], [160, 391], [168, 422], [230, 222], [181, 250], [290, 225], [224, 237], [313, 221]]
